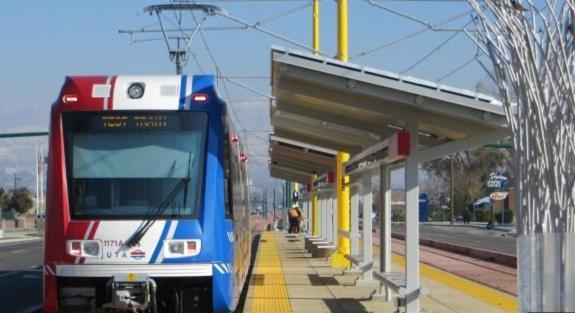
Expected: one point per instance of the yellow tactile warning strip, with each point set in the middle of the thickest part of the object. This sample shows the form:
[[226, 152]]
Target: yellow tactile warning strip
[[491, 296], [270, 293]]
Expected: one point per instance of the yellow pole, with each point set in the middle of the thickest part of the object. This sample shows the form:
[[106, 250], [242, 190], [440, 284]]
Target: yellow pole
[[296, 188], [342, 182], [315, 26], [314, 210], [342, 30], [343, 212]]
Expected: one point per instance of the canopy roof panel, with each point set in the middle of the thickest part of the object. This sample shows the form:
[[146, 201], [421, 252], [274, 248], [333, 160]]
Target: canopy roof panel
[[349, 107], [289, 174], [298, 158]]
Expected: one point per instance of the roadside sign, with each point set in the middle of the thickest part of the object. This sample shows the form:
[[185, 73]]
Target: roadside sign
[[497, 180], [498, 195], [423, 208]]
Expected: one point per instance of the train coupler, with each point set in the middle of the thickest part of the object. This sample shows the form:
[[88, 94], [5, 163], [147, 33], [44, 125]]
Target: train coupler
[[132, 292]]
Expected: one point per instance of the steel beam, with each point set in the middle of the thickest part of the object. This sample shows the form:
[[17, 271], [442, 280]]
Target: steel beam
[[412, 224], [25, 134], [367, 196]]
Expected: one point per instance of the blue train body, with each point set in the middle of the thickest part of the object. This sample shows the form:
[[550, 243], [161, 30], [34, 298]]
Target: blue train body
[[126, 234]]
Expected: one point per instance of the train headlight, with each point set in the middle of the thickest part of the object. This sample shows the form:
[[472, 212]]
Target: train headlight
[[84, 248], [181, 248], [176, 247], [92, 249], [136, 90]]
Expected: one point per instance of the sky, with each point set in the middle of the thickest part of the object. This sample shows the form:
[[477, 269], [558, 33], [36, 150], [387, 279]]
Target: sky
[[44, 41]]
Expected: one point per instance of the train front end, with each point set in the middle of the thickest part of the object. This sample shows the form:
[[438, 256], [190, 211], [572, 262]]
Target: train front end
[[134, 210]]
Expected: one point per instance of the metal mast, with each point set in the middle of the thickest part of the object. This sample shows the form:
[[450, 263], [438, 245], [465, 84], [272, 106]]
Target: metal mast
[[178, 38]]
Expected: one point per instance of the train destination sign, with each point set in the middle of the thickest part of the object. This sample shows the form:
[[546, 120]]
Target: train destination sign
[[135, 121]]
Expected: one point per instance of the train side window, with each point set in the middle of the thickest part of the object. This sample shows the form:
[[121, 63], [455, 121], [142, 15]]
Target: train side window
[[228, 183]]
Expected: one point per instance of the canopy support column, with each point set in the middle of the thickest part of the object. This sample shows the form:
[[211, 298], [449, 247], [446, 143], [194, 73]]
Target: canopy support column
[[354, 229], [385, 226], [323, 213], [412, 223], [333, 219], [367, 275], [314, 209], [328, 217]]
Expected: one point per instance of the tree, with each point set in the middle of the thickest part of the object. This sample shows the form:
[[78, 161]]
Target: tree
[[3, 199], [21, 200], [470, 173]]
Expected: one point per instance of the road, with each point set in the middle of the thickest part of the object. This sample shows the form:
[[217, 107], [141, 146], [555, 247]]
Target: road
[[21, 276], [480, 238]]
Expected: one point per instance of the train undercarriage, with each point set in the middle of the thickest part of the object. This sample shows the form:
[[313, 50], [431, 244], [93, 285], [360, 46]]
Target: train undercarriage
[[134, 293]]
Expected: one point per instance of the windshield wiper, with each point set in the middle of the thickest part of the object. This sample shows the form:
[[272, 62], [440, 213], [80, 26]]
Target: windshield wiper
[[182, 184]]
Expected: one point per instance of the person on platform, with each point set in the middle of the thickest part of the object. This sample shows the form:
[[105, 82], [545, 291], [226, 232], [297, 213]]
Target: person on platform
[[294, 216], [300, 223]]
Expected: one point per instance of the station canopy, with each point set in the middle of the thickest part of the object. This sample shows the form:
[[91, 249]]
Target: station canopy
[[294, 161], [341, 106]]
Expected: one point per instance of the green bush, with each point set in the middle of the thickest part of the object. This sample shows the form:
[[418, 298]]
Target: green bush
[[508, 217], [21, 200], [483, 215]]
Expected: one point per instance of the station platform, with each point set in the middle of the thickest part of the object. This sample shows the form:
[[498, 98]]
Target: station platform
[[285, 278]]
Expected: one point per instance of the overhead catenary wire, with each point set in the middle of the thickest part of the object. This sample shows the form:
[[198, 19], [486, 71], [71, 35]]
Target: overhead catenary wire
[[163, 32], [246, 77], [235, 82], [411, 35], [412, 18], [263, 30], [198, 64], [432, 52], [217, 67], [401, 14], [225, 87], [284, 13], [178, 27], [459, 67], [177, 30]]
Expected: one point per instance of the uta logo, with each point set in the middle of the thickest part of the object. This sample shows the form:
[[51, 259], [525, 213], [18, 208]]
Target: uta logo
[[137, 254]]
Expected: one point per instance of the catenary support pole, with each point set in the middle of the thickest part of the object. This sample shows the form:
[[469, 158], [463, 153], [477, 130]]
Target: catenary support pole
[[316, 27], [342, 48], [343, 213], [342, 182]]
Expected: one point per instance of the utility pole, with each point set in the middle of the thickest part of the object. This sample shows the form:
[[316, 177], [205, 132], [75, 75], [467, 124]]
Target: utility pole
[[42, 194], [451, 187], [16, 179], [274, 203], [265, 203], [37, 156], [502, 203]]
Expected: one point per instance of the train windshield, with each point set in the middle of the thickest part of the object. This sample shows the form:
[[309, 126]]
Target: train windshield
[[127, 165]]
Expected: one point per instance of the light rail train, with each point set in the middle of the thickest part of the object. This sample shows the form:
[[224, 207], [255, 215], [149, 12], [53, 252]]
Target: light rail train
[[147, 202]]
